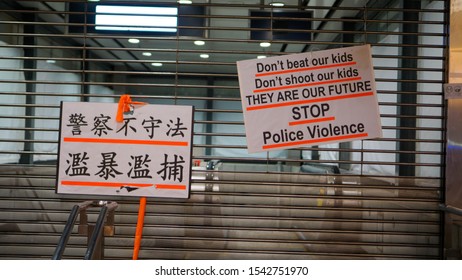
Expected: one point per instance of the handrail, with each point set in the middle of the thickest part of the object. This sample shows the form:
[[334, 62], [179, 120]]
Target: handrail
[[98, 230], [96, 233], [68, 229], [451, 209], [92, 242], [66, 233]]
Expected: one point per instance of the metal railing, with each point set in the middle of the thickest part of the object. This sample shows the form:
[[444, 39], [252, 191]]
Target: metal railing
[[104, 226], [452, 232], [451, 209]]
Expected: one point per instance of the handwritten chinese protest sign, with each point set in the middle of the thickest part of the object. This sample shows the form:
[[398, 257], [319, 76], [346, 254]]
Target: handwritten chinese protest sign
[[146, 155], [309, 99]]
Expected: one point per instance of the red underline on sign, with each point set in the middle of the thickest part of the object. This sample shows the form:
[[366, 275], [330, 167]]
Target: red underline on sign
[[312, 141], [170, 187], [305, 69], [316, 100], [308, 84], [104, 184], [326, 119], [125, 141]]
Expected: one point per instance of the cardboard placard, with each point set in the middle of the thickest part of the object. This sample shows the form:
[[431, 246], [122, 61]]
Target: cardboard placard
[[146, 155], [309, 99]]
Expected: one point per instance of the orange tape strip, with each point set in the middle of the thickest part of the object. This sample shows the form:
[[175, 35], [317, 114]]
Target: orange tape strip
[[170, 187], [326, 119], [104, 184], [307, 101], [305, 69], [124, 106], [308, 84], [126, 141]]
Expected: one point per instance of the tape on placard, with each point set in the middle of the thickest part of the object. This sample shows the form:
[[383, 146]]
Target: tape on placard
[[126, 106]]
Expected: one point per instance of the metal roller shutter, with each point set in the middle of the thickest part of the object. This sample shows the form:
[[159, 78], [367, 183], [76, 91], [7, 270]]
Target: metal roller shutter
[[359, 200]]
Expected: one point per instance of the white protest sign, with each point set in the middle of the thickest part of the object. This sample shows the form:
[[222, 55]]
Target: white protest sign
[[309, 99], [146, 155]]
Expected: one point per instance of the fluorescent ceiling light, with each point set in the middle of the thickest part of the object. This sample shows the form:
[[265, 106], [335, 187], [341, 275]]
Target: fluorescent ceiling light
[[265, 44], [204, 55], [184, 2], [136, 18], [157, 64], [277, 4], [261, 56], [199, 43], [51, 61], [147, 54], [134, 41]]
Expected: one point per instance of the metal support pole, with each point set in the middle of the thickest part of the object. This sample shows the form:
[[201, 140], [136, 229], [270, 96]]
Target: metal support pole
[[408, 87], [209, 116], [345, 156], [30, 75], [85, 88]]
